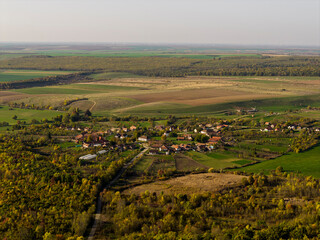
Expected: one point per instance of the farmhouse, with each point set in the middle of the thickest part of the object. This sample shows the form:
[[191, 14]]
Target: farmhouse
[[176, 148], [214, 139], [132, 128]]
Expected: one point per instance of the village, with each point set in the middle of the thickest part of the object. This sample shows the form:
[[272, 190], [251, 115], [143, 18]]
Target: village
[[171, 139]]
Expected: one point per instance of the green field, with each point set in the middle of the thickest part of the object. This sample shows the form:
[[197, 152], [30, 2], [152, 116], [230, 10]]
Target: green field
[[137, 52], [18, 75], [110, 75], [53, 90], [306, 163], [25, 114], [216, 160]]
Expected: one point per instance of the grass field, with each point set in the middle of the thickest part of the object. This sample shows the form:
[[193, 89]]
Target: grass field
[[215, 160], [306, 163], [135, 52], [25, 114], [18, 75]]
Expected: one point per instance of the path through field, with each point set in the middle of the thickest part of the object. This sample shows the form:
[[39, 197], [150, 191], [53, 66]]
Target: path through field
[[94, 104]]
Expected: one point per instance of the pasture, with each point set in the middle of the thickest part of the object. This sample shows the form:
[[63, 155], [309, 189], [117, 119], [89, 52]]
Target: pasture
[[19, 75], [25, 114], [216, 160], [306, 163]]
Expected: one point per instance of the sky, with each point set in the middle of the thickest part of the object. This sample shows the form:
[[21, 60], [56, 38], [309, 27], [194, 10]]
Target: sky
[[246, 22]]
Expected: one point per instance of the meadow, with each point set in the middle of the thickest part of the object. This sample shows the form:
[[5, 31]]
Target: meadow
[[25, 114], [217, 160], [19, 75], [306, 163]]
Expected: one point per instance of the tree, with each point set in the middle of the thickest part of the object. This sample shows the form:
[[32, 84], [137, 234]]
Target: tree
[[87, 113]]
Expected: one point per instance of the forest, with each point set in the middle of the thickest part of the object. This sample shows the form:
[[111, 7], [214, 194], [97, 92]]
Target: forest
[[279, 206], [175, 67]]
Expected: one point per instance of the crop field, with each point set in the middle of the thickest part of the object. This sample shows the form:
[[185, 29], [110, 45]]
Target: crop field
[[306, 163], [18, 75], [117, 93], [186, 163], [151, 164], [194, 183]]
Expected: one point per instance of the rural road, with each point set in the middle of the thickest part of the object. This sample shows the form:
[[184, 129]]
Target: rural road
[[94, 104], [99, 204]]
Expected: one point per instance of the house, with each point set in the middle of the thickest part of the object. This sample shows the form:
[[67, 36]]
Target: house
[[143, 139], [201, 147], [153, 152], [163, 148], [159, 127], [167, 133], [115, 129], [79, 138], [123, 136], [132, 128], [181, 138], [214, 139], [176, 148], [267, 129], [222, 126], [188, 137], [86, 145], [209, 132]]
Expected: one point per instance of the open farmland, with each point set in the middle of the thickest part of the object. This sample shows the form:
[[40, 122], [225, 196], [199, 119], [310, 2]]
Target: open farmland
[[18, 75], [196, 183], [188, 95]]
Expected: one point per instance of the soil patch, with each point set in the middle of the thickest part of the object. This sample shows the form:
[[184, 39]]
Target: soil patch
[[194, 183]]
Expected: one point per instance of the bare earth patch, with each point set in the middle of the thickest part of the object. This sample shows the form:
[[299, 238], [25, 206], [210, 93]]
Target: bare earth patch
[[195, 183], [6, 96]]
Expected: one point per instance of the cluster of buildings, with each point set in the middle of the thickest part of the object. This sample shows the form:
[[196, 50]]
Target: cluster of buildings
[[184, 141]]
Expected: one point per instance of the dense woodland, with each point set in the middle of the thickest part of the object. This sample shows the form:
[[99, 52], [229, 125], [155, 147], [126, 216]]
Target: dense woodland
[[174, 67], [47, 81], [48, 195], [280, 206]]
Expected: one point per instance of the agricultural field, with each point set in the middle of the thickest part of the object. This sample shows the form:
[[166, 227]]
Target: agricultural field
[[123, 95], [151, 164], [19, 75], [186, 163]]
